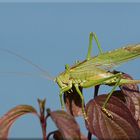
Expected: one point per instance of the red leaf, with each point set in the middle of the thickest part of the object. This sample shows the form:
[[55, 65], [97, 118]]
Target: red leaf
[[132, 96], [57, 135], [9, 118], [121, 126], [73, 102], [66, 124]]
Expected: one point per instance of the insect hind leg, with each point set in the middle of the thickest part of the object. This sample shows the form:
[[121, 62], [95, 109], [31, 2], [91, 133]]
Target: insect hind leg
[[110, 94], [91, 36], [97, 42]]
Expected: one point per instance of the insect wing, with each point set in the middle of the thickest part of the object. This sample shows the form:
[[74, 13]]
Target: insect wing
[[111, 59]]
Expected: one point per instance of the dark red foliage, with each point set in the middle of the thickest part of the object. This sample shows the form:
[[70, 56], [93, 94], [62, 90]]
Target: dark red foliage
[[73, 102], [10, 117], [67, 125], [132, 97], [121, 126], [124, 106]]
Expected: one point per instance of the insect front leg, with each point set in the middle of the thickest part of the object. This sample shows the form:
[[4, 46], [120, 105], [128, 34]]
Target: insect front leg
[[82, 99], [91, 36], [62, 90], [110, 94]]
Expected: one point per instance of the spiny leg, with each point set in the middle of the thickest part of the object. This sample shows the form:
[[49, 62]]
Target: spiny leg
[[82, 99], [91, 36], [105, 81], [90, 46], [97, 42], [62, 92], [109, 96]]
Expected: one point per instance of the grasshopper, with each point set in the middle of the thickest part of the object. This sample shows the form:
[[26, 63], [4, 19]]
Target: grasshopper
[[93, 71]]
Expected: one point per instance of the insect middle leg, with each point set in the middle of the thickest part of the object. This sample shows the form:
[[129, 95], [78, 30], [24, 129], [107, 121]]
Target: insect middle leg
[[109, 96], [82, 99]]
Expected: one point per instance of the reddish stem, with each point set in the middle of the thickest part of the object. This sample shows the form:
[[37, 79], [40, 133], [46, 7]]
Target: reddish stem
[[43, 126]]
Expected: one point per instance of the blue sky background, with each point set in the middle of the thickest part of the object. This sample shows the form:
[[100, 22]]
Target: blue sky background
[[81, 1], [52, 35]]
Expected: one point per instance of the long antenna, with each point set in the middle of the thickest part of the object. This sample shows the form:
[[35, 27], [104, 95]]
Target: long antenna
[[19, 73], [22, 74], [29, 62]]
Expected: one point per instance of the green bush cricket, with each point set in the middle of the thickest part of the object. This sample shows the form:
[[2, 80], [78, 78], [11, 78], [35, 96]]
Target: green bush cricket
[[93, 71]]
